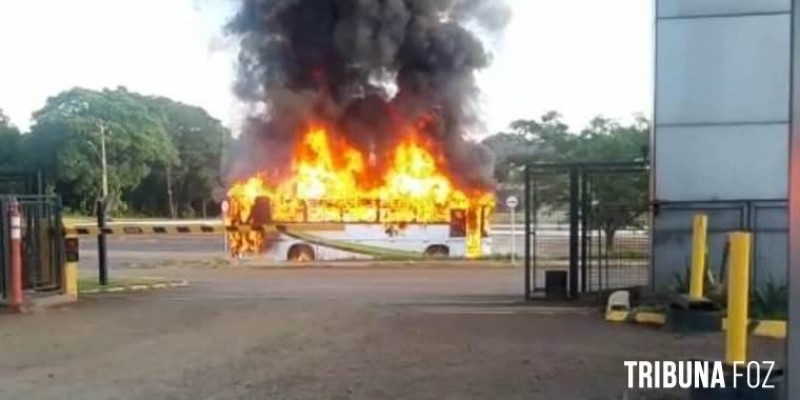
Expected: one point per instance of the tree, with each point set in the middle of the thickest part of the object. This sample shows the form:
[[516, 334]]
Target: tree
[[530, 141], [10, 139], [546, 140], [617, 199], [64, 142], [187, 184]]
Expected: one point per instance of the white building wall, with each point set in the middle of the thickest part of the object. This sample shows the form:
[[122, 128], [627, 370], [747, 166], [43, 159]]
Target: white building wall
[[721, 137]]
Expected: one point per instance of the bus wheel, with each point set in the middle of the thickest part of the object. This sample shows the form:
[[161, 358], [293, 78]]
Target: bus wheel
[[301, 252], [437, 251]]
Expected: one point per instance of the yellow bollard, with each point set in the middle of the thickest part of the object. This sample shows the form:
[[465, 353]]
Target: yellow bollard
[[71, 279], [699, 240], [71, 265], [738, 297]]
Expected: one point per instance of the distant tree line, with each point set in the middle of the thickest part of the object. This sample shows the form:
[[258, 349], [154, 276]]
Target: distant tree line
[[164, 157]]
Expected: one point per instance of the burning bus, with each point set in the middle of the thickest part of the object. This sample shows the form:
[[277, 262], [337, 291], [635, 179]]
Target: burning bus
[[358, 136], [335, 204]]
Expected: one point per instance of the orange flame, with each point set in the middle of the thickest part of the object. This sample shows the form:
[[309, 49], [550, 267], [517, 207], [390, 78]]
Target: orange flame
[[331, 182]]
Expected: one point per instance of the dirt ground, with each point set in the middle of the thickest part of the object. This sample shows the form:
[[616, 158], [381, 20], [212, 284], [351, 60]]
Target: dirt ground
[[330, 333]]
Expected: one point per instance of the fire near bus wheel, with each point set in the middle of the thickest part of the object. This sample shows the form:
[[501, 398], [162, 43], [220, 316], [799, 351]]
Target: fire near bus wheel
[[301, 252], [437, 251]]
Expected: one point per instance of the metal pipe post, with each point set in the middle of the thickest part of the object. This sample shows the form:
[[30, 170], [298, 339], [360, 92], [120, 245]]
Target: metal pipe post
[[584, 199], [15, 270], [528, 204], [793, 273], [513, 236], [699, 246], [573, 231], [102, 249], [738, 298]]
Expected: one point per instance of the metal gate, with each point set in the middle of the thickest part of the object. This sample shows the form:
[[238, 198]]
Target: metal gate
[[586, 226], [42, 247]]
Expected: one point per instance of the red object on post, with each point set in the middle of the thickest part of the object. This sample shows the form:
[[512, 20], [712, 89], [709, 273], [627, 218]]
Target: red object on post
[[15, 272]]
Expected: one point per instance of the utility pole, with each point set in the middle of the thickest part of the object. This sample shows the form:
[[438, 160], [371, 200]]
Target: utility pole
[[104, 161], [102, 249]]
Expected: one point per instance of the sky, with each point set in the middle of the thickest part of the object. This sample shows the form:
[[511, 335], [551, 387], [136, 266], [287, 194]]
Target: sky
[[580, 57]]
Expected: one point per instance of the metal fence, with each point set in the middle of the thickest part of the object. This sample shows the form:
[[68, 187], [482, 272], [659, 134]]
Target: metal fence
[[766, 219], [42, 248], [603, 241], [20, 182]]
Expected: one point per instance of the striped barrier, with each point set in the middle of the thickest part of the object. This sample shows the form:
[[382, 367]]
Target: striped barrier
[[193, 229], [165, 229]]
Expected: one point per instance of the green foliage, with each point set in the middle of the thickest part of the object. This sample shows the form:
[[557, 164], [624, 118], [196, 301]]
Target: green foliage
[[680, 281], [153, 144], [770, 301], [200, 141], [10, 139], [618, 200], [65, 143]]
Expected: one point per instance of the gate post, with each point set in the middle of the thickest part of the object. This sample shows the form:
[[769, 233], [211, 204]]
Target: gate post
[[102, 250], [574, 209], [584, 199], [15, 269], [528, 204]]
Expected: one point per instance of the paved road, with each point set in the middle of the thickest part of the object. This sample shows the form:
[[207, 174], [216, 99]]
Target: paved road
[[136, 249], [356, 334], [497, 229], [146, 250]]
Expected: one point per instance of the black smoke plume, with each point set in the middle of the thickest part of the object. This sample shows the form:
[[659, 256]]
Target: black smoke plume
[[364, 67]]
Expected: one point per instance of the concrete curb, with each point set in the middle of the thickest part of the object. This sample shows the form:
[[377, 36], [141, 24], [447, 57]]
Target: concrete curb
[[136, 288], [774, 329], [637, 317]]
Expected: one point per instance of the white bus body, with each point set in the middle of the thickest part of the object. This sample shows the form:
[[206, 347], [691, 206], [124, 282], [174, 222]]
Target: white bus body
[[362, 241]]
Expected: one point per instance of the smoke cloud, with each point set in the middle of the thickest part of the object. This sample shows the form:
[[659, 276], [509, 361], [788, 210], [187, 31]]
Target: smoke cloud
[[365, 67]]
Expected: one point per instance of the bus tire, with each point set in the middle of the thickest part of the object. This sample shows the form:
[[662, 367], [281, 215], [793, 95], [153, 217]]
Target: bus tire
[[437, 251], [301, 252]]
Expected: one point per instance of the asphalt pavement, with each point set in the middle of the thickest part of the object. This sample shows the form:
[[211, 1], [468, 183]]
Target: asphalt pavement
[[333, 333]]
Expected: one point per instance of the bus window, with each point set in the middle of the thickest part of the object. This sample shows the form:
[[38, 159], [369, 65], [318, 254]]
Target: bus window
[[262, 212], [458, 223]]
